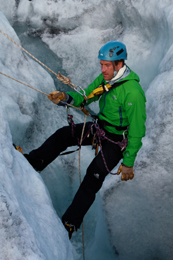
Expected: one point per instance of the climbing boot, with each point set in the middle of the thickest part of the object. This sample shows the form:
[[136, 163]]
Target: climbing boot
[[70, 229], [34, 162], [18, 148]]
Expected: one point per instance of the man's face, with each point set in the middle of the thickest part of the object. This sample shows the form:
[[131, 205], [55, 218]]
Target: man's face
[[107, 69]]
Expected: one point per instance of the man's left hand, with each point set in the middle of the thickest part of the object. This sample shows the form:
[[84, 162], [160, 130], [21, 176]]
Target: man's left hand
[[127, 172], [57, 96]]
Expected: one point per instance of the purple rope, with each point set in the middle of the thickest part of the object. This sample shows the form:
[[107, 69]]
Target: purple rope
[[72, 124], [101, 136]]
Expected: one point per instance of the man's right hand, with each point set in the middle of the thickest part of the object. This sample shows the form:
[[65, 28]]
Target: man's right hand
[[127, 172], [57, 96]]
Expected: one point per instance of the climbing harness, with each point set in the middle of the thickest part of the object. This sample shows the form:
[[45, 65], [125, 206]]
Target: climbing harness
[[104, 88], [99, 134]]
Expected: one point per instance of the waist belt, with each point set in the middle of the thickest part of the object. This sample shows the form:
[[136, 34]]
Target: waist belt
[[104, 123]]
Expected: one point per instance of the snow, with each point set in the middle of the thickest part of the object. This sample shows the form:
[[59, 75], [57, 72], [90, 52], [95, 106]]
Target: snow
[[30, 227], [8, 8], [131, 220], [29, 224]]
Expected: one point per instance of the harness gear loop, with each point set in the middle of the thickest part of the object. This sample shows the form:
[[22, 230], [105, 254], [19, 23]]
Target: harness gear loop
[[126, 130], [85, 111]]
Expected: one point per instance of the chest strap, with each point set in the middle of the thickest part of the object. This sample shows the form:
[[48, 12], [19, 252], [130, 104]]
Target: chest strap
[[104, 88], [101, 89]]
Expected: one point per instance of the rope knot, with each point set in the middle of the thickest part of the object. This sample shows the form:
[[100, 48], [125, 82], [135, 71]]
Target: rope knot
[[99, 132], [123, 144], [63, 78]]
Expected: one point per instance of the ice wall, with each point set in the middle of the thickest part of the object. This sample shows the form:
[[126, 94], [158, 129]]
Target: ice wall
[[140, 224], [9, 9], [75, 30], [29, 225]]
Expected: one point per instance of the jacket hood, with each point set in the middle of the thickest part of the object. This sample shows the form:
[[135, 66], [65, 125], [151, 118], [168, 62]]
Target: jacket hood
[[127, 74], [132, 75]]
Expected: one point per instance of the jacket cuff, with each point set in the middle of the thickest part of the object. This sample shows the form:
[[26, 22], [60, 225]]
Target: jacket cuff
[[69, 99]]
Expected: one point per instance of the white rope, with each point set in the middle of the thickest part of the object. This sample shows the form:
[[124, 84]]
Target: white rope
[[83, 129], [35, 89], [23, 83], [62, 78]]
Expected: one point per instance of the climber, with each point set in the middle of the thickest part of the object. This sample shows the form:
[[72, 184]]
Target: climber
[[122, 114]]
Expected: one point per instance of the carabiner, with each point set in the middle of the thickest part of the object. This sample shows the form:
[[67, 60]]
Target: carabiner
[[124, 136]]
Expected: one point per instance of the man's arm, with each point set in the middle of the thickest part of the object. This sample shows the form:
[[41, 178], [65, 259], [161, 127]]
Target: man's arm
[[78, 99], [136, 114]]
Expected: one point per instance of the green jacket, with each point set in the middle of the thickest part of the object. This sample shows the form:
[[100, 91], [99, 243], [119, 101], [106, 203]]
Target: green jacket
[[121, 106]]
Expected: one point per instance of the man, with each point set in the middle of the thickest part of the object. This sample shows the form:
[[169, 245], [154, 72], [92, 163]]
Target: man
[[122, 113]]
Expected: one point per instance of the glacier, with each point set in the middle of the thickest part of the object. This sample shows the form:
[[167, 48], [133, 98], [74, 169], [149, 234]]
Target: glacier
[[128, 221]]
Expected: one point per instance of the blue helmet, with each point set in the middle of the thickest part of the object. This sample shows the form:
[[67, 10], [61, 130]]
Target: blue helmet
[[112, 51]]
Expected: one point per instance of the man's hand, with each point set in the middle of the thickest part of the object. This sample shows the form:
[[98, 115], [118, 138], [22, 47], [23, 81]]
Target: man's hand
[[127, 172], [57, 96]]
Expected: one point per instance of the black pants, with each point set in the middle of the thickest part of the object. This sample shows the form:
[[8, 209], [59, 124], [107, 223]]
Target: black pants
[[96, 171]]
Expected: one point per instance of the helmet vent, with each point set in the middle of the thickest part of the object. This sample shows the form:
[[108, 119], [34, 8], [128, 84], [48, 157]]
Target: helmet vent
[[111, 53], [119, 52]]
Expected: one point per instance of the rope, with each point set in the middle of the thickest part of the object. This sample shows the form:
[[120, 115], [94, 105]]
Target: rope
[[59, 76], [100, 133], [35, 89], [81, 139], [24, 84]]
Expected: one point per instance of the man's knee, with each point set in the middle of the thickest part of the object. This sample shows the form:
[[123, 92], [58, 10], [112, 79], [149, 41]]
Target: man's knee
[[37, 164], [94, 178]]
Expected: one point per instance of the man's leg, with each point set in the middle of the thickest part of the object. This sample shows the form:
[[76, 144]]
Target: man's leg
[[91, 184], [55, 144]]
